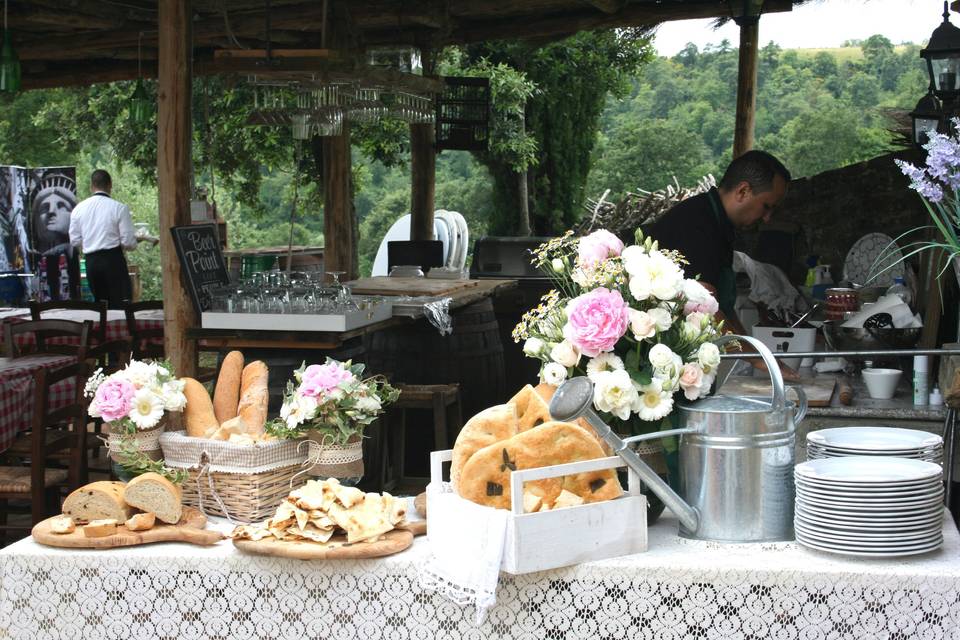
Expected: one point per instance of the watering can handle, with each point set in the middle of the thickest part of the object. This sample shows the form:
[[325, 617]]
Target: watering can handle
[[772, 368]]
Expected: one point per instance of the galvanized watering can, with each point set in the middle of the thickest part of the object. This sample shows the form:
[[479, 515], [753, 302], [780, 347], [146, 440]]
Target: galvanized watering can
[[736, 457]]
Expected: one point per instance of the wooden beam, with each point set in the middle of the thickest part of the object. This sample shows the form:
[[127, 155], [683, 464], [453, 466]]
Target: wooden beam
[[174, 134], [339, 237], [608, 6], [746, 87], [423, 169]]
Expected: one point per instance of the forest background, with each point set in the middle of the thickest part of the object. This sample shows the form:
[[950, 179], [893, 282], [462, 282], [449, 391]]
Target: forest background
[[596, 112]]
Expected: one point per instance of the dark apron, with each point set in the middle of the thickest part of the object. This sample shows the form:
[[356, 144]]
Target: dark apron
[[727, 287]]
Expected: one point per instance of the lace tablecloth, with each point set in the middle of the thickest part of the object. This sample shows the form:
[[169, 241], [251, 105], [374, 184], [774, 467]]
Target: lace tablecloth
[[677, 590]]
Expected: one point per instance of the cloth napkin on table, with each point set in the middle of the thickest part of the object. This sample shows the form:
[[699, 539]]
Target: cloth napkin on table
[[466, 549]]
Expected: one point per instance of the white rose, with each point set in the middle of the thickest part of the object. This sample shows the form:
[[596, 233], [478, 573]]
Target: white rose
[[661, 356], [172, 394], [662, 318], [553, 374], [666, 278], [533, 347], [614, 392], [557, 265], [634, 259], [691, 380], [565, 353], [368, 404], [708, 356], [642, 324], [601, 363]]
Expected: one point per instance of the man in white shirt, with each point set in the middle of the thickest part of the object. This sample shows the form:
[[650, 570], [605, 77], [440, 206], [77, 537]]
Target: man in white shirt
[[103, 228]]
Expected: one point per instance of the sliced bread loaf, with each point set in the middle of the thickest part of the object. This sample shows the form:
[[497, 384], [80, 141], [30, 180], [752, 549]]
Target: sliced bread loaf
[[153, 493], [101, 500]]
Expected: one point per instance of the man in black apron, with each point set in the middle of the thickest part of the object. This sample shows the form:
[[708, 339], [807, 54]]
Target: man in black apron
[[703, 227]]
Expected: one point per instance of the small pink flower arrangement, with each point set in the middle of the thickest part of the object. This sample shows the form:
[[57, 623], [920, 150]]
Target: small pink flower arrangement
[[333, 399]]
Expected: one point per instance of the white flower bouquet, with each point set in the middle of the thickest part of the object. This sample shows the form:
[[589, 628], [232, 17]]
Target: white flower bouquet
[[628, 319], [332, 399]]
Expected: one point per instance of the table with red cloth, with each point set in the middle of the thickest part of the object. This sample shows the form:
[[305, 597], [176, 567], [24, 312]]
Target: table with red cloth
[[116, 322], [17, 391]]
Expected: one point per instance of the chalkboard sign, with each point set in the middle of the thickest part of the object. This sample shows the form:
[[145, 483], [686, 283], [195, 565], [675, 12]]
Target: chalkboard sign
[[201, 262]]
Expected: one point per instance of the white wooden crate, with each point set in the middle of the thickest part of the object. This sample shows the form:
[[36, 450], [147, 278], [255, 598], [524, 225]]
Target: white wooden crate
[[543, 541], [296, 321]]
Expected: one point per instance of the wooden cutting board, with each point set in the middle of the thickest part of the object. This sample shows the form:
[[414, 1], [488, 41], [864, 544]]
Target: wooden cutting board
[[387, 286], [337, 549], [189, 529], [819, 391]]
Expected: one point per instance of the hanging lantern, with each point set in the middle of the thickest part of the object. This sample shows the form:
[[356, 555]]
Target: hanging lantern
[[926, 117], [141, 104], [942, 54]]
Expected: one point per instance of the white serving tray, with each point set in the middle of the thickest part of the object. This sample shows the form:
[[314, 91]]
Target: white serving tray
[[552, 539], [296, 321]]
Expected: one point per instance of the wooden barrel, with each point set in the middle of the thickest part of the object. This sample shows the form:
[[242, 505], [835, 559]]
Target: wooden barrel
[[283, 362], [471, 356]]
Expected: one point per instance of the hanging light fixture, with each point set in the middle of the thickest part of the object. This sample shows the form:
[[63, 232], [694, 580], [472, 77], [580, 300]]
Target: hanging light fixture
[[141, 106], [942, 54], [9, 63], [926, 117]]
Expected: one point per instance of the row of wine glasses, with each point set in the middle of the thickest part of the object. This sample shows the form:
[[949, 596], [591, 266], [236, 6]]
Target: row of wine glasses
[[293, 292]]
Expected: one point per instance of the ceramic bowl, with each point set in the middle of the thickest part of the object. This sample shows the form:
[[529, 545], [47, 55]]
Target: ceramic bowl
[[881, 383]]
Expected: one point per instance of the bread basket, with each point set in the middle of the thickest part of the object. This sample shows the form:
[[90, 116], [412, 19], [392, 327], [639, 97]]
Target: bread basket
[[240, 482]]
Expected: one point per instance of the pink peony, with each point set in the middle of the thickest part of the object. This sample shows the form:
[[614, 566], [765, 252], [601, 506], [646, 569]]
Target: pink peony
[[698, 298], [597, 247], [114, 399], [321, 378], [596, 320]]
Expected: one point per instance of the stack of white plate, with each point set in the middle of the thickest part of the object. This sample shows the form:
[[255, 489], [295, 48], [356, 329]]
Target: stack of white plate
[[874, 441], [869, 506]]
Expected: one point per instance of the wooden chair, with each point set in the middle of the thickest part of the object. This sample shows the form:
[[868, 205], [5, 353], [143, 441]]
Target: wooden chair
[[148, 343], [45, 333], [57, 449], [110, 355]]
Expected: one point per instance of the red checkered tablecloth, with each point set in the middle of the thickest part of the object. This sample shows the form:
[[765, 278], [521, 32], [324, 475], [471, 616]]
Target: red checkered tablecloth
[[17, 389], [116, 322]]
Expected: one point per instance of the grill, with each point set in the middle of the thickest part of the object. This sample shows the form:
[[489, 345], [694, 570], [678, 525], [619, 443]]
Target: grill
[[508, 257]]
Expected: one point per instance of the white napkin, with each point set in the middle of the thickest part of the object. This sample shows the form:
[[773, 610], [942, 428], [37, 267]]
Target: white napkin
[[466, 549], [900, 313]]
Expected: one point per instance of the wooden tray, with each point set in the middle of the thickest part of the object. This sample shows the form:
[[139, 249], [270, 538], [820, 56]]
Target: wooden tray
[[337, 549], [387, 286], [819, 391], [189, 529]]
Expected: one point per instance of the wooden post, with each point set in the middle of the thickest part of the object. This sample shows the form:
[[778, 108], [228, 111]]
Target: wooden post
[[174, 127], [339, 237], [746, 85], [423, 167]]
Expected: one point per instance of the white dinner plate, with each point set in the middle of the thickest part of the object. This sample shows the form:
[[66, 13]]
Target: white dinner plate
[[874, 438], [819, 535], [878, 486], [871, 498], [856, 533], [870, 521], [861, 265], [838, 453], [868, 469], [894, 553], [873, 507], [874, 515]]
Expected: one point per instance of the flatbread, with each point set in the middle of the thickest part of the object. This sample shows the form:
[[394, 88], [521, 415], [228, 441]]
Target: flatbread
[[366, 520], [490, 425], [532, 410], [486, 476], [546, 391]]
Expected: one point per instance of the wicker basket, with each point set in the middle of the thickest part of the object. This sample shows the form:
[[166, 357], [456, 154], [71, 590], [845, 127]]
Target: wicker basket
[[243, 483]]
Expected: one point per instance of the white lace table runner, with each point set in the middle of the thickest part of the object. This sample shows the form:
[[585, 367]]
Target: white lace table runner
[[674, 591]]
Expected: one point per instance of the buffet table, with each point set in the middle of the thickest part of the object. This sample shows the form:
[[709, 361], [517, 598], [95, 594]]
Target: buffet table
[[678, 589]]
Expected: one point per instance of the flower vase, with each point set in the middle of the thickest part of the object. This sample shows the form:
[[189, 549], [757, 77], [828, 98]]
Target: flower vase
[[341, 461], [146, 441]]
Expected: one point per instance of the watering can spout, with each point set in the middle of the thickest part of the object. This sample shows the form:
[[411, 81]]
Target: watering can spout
[[573, 399]]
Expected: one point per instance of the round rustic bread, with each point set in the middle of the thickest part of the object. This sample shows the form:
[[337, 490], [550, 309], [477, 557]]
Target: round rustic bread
[[485, 478], [487, 427]]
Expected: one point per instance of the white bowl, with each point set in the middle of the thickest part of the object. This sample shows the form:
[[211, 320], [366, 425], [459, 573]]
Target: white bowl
[[881, 383]]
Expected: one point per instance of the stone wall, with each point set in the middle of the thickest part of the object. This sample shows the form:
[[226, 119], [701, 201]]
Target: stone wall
[[825, 214]]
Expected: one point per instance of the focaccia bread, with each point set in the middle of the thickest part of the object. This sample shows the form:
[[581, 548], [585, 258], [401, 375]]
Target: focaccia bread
[[154, 493], [546, 392], [489, 426], [198, 416], [226, 395], [254, 397], [532, 409], [97, 501], [486, 475]]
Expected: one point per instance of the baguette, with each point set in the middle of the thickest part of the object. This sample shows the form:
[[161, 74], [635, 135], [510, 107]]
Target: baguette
[[97, 501], [254, 397], [100, 528], [226, 395], [154, 493], [198, 415], [141, 521]]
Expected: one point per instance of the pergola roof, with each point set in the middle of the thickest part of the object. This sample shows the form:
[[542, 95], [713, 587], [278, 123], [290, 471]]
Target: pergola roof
[[80, 42]]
